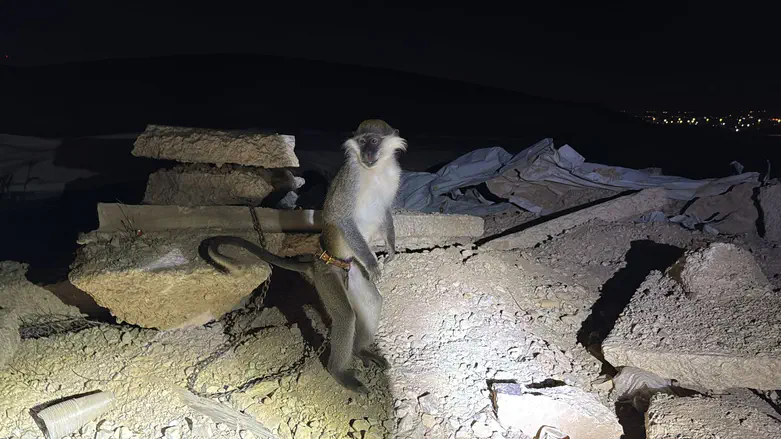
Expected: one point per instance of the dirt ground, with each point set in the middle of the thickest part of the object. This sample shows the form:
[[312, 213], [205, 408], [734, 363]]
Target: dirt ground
[[454, 320]]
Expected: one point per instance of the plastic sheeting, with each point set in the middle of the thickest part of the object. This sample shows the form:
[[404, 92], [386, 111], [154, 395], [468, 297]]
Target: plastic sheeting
[[29, 162], [531, 176]]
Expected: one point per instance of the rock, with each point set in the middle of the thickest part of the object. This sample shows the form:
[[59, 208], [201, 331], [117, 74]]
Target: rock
[[724, 335], [123, 433], [770, 202], [721, 270], [202, 185], [619, 209], [304, 432], [481, 430], [202, 430], [428, 403], [30, 301], [269, 317], [9, 336], [703, 417], [160, 281], [429, 421], [569, 409], [360, 424], [196, 145], [734, 210], [172, 432]]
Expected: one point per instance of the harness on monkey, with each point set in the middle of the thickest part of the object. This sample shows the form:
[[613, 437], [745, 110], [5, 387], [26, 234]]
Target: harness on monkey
[[328, 259]]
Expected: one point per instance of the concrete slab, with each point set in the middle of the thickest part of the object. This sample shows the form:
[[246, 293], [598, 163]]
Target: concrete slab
[[568, 409], [714, 331], [704, 417], [197, 145], [418, 229], [158, 280], [203, 185], [618, 209]]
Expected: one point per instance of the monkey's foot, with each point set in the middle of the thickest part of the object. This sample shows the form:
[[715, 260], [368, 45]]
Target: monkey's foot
[[348, 380], [370, 357]]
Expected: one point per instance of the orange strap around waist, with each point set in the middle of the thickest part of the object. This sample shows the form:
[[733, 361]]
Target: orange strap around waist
[[328, 259]]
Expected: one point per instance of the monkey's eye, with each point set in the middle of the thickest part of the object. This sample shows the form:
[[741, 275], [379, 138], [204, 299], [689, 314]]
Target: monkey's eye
[[374, 141]]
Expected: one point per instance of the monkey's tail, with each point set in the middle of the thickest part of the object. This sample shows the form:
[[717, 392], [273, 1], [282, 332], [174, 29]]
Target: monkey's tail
[[215, 242]]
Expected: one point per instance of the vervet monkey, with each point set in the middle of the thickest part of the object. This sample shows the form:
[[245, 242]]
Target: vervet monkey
[[357, 208]]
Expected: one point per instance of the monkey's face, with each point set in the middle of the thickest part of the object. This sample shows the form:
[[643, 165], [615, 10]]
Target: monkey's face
[[369, 146]]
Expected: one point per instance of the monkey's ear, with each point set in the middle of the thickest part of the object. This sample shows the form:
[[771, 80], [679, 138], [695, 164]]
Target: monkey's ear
[[396, 133]]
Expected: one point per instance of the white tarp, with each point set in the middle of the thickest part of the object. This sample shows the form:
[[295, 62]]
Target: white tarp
[[28, 164], [528, 177]]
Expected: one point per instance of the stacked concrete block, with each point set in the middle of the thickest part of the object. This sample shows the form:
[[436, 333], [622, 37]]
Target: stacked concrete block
[[220, 168], [153, 273]]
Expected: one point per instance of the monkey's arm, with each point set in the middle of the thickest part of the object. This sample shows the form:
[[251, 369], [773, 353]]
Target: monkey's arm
[[390, 236], [360, 247]]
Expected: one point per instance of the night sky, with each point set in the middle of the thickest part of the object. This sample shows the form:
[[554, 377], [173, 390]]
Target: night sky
[[633, 56]]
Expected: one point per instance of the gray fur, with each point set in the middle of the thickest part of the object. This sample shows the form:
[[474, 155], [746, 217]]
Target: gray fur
[[357, 208]]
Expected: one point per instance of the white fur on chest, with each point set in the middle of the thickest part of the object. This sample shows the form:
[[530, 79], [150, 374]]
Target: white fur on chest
[[377, 190]]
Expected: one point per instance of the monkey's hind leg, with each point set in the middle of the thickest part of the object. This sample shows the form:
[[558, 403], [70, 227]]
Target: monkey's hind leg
[[390, 236], [366, 301], [331, 285]]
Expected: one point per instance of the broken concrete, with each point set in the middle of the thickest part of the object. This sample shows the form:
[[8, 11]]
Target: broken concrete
[[770, 202], [160, 281], [721, 270], [9, 335], [413, 230], [196, 145], [619, 209], [202, 185], [734, 211], [713, 338], [703, 417], [29, 301], [115, 217], [568, 409]]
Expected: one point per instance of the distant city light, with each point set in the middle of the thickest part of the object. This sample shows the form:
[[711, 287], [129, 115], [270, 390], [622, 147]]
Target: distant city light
[[747, 121]]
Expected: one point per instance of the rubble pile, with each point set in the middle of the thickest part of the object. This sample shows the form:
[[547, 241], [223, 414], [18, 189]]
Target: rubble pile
[[650, 314], [711, 321], [144, 262]]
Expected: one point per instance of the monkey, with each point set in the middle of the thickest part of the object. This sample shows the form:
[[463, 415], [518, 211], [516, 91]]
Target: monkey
[[357, 208]]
